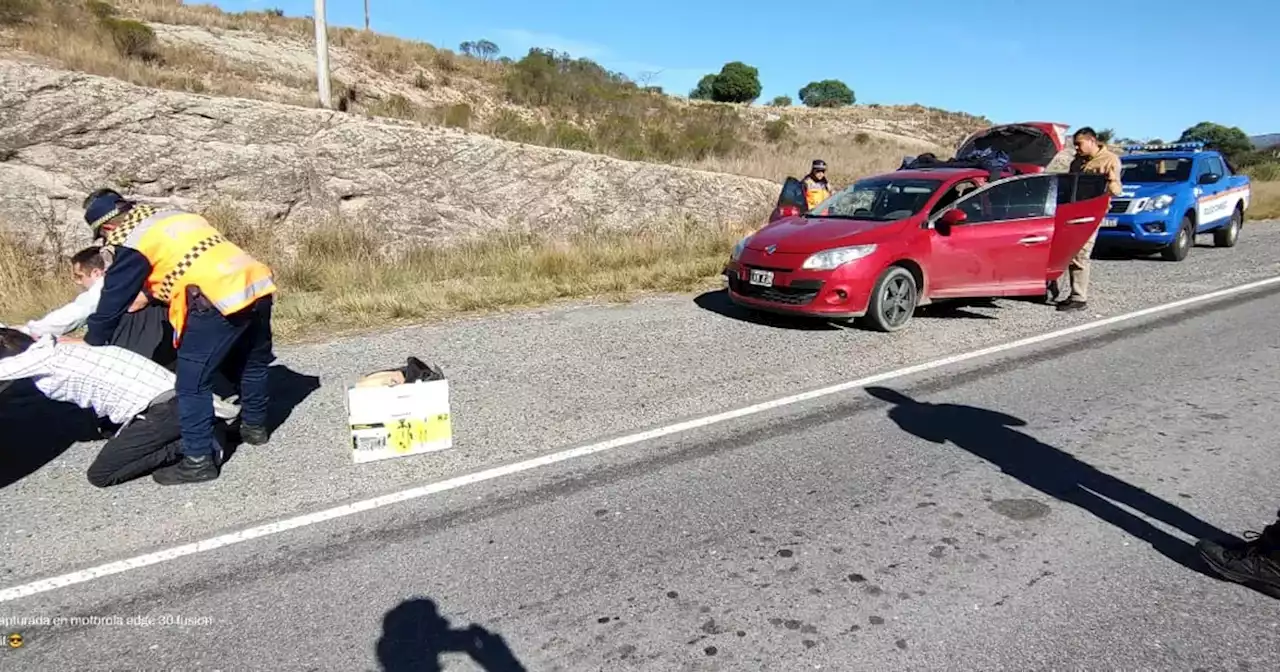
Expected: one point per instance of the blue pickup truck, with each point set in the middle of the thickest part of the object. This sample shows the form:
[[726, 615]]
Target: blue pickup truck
[[1170, 194]]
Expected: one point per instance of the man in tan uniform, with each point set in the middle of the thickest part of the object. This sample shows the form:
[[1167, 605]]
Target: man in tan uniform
[[1092, 156]]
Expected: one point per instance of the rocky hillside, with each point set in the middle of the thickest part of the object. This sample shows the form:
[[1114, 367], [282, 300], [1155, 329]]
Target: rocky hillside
[[190, 102], [64, 133]]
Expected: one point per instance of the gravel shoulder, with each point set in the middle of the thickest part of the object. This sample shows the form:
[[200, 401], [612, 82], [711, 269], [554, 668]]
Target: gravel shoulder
[[523, 384]]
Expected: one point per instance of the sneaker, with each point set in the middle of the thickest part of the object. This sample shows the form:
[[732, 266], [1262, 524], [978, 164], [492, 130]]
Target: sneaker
[[1254, 563], [254, 435], [188, 470]]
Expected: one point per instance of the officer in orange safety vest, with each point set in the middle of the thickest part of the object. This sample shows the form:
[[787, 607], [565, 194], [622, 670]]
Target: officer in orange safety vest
[[816, 189], [220, 301]]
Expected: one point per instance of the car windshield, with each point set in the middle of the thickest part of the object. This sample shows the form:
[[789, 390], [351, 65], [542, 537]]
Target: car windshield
[[879, 200], [1142, 171]]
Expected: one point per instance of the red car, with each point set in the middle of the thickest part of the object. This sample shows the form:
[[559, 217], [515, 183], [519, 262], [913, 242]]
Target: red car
[[887, 244]]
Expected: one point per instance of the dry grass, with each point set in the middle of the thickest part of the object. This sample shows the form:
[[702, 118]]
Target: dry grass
[[1266, 201], [338, 279], [848, 158]]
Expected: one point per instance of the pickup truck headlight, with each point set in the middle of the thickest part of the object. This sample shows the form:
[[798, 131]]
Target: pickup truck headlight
[[1158, 202], [738, 248], [827, 260]]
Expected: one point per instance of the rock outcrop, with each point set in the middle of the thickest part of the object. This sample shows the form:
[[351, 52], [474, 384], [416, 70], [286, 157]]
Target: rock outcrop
[[63, 134]]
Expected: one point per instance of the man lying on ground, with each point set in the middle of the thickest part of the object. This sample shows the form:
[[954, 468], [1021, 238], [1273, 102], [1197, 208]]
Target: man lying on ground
[[122, 386], [144, 329]]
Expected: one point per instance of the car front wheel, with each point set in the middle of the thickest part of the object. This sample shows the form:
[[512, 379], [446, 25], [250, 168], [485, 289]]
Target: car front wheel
[[893, 300], [1181, 245]]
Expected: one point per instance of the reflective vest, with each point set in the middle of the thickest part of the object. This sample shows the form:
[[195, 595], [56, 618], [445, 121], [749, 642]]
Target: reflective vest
[[815, 192], [185, 250]]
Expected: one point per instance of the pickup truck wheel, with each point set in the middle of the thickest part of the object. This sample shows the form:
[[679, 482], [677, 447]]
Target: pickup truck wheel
[[1229, 234], [1181, 245], [893, 300]]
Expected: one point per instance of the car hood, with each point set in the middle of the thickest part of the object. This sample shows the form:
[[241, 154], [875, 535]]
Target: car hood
[[800, 235], [1148, 190]]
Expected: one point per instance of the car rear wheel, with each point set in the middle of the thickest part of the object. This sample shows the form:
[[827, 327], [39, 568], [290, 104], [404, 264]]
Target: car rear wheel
[[1229, 234], [893, 300], [1181, 245]]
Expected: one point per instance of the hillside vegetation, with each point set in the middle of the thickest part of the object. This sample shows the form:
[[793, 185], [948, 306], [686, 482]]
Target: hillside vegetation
[[541, 97]]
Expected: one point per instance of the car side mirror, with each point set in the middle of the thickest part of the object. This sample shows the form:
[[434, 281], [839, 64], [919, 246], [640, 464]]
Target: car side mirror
[[1210, 178], [949, 219]]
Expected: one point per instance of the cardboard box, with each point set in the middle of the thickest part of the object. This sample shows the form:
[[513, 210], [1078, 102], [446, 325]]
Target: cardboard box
[[399, 420]]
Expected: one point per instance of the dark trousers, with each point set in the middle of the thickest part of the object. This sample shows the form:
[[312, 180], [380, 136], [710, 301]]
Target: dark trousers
[[150, 441], [240, 346]]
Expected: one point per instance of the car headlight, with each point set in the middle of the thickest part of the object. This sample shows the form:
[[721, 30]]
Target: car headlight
[[738, 248], [1159, 202], [829, 259]]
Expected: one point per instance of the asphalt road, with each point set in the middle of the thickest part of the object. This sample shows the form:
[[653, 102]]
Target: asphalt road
[[523, 384], [1027, 511]]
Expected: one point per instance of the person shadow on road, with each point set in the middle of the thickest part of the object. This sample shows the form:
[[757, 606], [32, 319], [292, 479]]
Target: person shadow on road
[[415, 636], [992, 436]]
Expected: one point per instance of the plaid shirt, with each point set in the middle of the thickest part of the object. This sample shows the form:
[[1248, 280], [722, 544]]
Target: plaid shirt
[[115, 383]]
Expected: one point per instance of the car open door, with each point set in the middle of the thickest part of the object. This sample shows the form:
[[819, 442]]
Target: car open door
[[1002, 246], [1082, 203]]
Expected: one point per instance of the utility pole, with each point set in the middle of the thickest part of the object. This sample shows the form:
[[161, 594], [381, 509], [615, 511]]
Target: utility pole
[[366, 16], [322, 56]]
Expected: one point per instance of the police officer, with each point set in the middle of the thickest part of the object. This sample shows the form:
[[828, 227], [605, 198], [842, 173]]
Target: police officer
[[220, 301], [816, 188]]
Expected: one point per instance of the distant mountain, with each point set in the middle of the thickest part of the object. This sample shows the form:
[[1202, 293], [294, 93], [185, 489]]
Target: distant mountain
[[1268, 140]]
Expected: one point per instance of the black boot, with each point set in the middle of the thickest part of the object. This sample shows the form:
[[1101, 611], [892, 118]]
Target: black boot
[[254, 435], [1255, 562], [188, 470]]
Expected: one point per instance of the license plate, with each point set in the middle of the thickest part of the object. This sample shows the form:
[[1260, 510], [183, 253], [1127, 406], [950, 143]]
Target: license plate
[[761, 278], [1108, 222]]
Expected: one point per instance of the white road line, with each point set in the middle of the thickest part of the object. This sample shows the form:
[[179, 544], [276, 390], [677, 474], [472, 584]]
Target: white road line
[[221, 541]]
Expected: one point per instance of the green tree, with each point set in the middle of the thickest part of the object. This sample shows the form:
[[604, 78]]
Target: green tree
[[780, 101], [1231, 141], [1106, 135], [703, 90], [827, 93], [736, 83]]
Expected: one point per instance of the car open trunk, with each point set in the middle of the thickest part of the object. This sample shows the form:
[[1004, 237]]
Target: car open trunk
[[1030, 147]]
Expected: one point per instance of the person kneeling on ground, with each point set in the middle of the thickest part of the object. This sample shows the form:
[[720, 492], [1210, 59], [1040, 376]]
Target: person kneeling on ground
[[122, 386], [144, 328]]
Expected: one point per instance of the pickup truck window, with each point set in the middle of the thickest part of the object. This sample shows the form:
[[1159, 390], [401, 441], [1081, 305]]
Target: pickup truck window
[[1203, 169], [1153, 170], [1215, 166]]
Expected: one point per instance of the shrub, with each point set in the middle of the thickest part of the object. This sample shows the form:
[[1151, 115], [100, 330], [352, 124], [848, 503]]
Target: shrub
[[457, 116], [133, 39], [14, 12], [780, 101], [628, 122], [703, 90], [100, 9], [777, 130], [736, 83], [827, 93]]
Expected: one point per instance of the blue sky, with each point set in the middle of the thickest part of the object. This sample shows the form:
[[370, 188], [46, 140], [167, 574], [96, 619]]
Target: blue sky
[[1007, 60]]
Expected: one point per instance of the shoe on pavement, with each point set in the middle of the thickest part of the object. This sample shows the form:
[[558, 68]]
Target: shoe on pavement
[[254, 435], [1254, 563], [1071, 304], [188, 470]]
